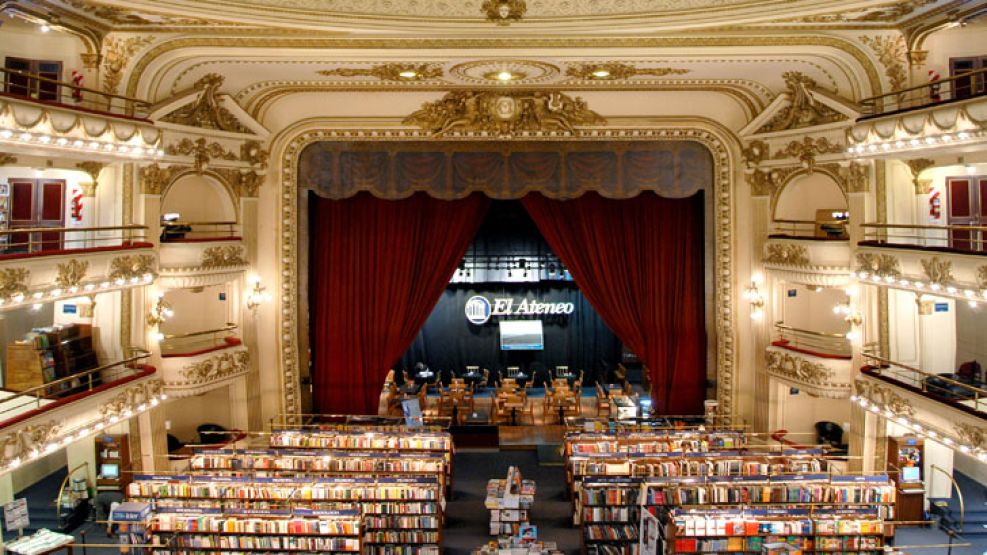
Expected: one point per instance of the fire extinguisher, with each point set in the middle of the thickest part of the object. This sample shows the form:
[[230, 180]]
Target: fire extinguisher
[[77, 206], [935, 206], [77, 79]]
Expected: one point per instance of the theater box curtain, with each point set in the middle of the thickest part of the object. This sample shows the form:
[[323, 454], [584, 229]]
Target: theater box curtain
[[377, 269]]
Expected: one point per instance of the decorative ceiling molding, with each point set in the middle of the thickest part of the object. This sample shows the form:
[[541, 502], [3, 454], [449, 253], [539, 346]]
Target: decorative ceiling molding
[[206, 111], [803, 110], [507, 114], [72, 273], [892, 13], [117, 52], [786, 254], [391, 71], [504, 12], [890, 50], [124, 17], [6, 158], [884, 265], [618, 71]]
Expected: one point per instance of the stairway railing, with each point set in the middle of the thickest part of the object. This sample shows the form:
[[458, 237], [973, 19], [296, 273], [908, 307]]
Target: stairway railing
[[956, 486], [61, 490]]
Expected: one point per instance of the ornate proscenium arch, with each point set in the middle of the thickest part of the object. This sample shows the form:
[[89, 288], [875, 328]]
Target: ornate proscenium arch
[[686, 153]]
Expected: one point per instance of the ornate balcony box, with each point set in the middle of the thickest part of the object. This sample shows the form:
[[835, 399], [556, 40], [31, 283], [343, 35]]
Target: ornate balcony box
[[201, 263], [38, 277], [185, 376], [808, 260], [819, 375], [922, 269]]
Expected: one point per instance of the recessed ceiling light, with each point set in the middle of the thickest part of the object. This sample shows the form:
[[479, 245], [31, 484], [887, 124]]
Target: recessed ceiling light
[[44, 27], [408, 74], [505, 76], [601, 74]]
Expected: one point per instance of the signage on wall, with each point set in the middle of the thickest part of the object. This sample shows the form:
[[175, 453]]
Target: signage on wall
[[479, 309], [942, 307]]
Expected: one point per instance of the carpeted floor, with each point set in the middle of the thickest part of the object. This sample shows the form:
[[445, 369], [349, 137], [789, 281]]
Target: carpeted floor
[[467, 521]]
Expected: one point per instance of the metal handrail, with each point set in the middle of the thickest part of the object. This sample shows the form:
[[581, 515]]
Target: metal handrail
[[959, 492], [61, 490], [825, 343], [9, 231], [809, 228], [924, 373], [933, 93], [228, 327], [181, 222], [130, 109], [91, 238], [959, 227], [39, 393], [780, 325]]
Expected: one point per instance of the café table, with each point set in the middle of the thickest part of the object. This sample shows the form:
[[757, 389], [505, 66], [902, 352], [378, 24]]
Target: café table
[[472, 378], [424, 377], [521, 378]]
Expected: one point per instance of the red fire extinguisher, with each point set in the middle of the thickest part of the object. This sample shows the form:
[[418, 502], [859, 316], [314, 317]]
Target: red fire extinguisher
[[77, 206], [935, 206]]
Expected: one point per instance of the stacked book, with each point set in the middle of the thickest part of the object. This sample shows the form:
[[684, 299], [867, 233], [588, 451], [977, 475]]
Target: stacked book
[[509, 501]]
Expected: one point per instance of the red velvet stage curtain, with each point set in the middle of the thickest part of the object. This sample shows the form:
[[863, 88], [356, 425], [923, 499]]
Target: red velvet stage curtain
[[377, 268], [639, 262]]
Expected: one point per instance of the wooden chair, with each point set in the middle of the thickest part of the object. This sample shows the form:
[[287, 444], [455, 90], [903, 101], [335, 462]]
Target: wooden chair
[[508, 384], [485, 380], [389, 378], [602, 401], [407, 379], [445, 400], [572, 405], [423, 397]]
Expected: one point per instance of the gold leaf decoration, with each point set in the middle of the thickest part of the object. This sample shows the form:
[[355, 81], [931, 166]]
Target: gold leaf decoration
[[207, 111], [884, 265], [504, 113], [13, 281], [71, 273], [787, 253], [116, 55], [391, 71], [227, 255], [890, 50], [798, 368], [503, 12], [216, 368], [803, 109], [937, 270], [132, 266], [619, 71]]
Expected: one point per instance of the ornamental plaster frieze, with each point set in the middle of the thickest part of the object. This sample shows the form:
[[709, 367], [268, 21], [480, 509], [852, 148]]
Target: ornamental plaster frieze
[[188, 376], [823, 377], [197, 262], [960, 276], [822, 276], [712, 137]]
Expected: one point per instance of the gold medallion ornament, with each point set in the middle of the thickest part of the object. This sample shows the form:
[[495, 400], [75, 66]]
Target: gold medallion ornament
[[503, 114], [389, 72], [616, 71], [504, 12]]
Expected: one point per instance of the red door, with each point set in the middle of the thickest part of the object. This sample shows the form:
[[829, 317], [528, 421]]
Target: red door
[[36, 203], [964, 210]]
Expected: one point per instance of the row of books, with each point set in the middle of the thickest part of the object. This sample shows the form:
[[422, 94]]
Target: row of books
[[347, 440], [759, 544], [400, 536], [704, 525], [691, 467], [610, 532], [429, 522], [401, 550], [283, 492], [610, 514], [279, 543], [166, 522], [761, 494], [652, 446]]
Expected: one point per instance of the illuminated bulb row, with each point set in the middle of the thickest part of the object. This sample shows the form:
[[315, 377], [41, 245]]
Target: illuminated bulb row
[[899, 144], [906, 422], [970, 295], [79, 144], [69, 292], [53, 445]]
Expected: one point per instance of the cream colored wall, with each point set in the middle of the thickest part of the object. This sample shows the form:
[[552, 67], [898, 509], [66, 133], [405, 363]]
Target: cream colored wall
[[24, 40], [800, 199], [199, 199], [800, 412], [937, 337], [954, 42], [197, 310], [971, 333], [73, 180], [813, 310], [903, 327], [186, 414]]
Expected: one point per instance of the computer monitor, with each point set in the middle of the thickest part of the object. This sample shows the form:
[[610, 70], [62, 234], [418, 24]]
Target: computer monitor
[[911, 474], [110, 471]]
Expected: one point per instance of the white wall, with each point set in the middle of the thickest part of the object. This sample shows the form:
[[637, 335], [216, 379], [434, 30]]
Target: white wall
[[185, 415], [903, 327], [813, 310], [937, 336], [800, 412], [954, 42], [800, 199], [197, 310], [199, 199], [23, 40]]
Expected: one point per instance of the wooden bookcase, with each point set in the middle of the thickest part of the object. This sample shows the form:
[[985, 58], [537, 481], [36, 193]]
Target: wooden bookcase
[[51, 355], [906, 460], [112, 453]]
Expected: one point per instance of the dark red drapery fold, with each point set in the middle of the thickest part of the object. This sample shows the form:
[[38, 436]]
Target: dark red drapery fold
[[379, 267], [640, 264]]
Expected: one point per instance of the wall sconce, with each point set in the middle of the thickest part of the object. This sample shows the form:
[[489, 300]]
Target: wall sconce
[[257, 295], [851, 315], [159, 313], [754, 296]]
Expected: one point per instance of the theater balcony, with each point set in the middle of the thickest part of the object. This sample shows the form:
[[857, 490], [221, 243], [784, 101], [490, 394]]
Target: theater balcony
[[58, 263], [950, 408], [815, 362], [940, 260], [45, 117], [196, 362], [948, 117], [816, 253], [199, 254], [37, 421]]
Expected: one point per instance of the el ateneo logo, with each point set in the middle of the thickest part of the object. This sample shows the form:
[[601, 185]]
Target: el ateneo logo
[[479, 309]]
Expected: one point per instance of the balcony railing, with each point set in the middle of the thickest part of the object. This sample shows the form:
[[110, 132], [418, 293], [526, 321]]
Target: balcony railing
[[968, 393], [178, 231], [35, 87], [951, 238], [832, 345], [40, 241], [823, 230], [16, 404], [952, 89], [199, 342]]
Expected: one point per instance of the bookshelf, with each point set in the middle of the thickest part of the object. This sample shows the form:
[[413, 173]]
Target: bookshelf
[[210, 530], [509, 501], [400, 515], [47, 354], [775, 531], [659, 441], [906, 459]]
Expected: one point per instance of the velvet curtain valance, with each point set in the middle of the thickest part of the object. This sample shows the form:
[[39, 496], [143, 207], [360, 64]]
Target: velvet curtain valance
[[395, 170]]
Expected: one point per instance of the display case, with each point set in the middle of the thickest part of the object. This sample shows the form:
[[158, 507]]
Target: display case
[[906, 463]]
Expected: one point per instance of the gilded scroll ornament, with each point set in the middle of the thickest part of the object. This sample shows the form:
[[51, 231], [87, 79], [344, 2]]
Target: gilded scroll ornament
[[937, 270], [27, 442], [13, 281], [787, 253], [917, 166], [974, 436], [154, 178], [207, 111], [130, 400], [884, 396], [6, 158], [226, 255], [803, 109], [92, 168], [982, 277], [116, 55], [856, 177], [890, 50], [391, 71], [201, 151], [504, 113], [132, 266], [71, 273], [755, 152], [884, 265], [217, 367], [797, 368], [806, 150], [619, 71], [762, 183]]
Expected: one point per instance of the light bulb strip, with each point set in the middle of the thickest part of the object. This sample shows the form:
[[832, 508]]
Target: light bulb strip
[[81, 432], [130, 149], [955, 291], [83, 289], [868, 147], [921, 429]]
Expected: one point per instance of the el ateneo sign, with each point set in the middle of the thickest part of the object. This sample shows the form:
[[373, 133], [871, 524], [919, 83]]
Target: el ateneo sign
[[479, 309]]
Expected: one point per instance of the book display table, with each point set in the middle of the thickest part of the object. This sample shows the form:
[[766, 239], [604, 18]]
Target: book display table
[[509, 501]]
